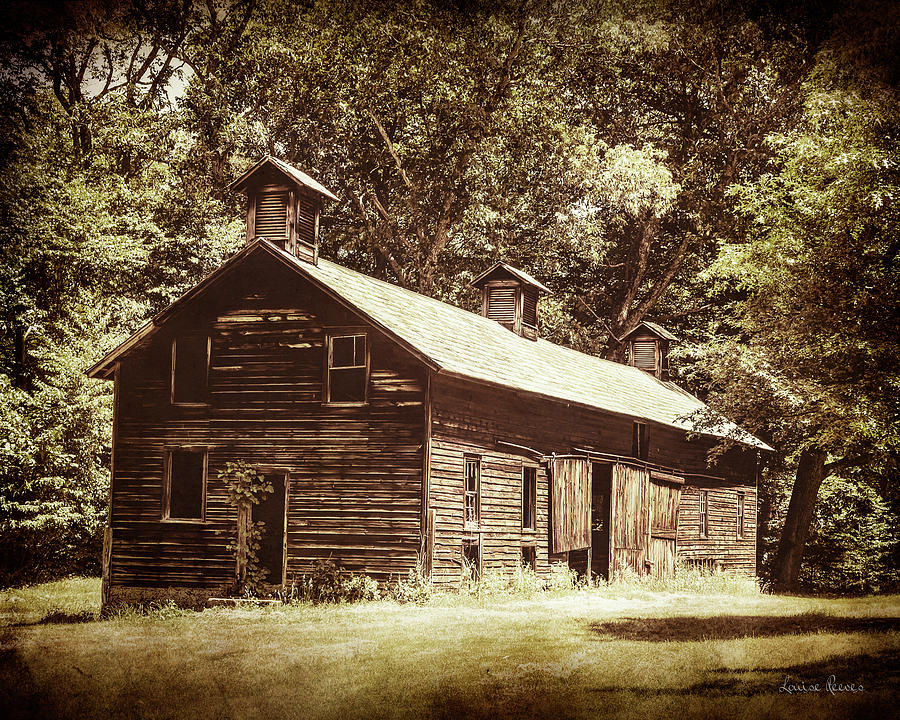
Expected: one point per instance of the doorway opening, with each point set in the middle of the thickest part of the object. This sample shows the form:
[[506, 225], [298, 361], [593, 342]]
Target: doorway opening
[[273, 512], [601, 492]]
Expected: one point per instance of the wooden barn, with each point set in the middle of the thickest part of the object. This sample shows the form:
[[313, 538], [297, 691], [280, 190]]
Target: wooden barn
[[399, 430]]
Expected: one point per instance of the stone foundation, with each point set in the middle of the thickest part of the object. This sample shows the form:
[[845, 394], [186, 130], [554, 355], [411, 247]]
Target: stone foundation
[[187, 597]]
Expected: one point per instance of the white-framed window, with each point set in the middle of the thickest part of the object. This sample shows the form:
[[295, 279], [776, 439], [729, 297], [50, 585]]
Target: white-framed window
[[741, 502], [348, 369], [704, 513], [472, 490]]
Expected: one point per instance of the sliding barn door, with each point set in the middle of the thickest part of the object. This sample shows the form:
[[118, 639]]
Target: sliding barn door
[[630, 519], [570, 500], [665, 494]]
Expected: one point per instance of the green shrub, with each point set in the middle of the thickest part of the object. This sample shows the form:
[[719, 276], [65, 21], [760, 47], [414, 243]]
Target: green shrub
[[416, 588], [330, 583]]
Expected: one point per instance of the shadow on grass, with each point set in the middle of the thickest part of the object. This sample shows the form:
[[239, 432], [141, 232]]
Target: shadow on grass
[[59, 617], [20, 696], [733, 627], [539, 696], [876, 672]]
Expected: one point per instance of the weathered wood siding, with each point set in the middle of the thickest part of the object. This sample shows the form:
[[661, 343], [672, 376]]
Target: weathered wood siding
[[355, 472], [570, 504], [500, 531], [469, 417], [722, 543], [665, 499], [630, 518]]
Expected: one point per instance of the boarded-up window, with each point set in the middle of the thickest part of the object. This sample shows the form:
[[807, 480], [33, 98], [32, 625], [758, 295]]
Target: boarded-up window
[[271, 214], [529, 498], [502, 304], [704, 513], [570, 504], [640, 440], [347, 369], [472, 500], [186, 483], [190, 368], [740, 515], [644, 354], [529, 308]]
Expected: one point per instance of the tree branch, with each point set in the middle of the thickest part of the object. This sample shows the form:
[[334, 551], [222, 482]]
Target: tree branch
[[659, 287], [390, 147], [847, 463]]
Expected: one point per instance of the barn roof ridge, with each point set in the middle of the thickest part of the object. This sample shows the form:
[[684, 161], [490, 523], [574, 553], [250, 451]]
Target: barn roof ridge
[[457, 342]]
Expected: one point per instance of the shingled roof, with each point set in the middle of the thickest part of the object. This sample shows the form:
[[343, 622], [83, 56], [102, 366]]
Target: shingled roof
[[457, 342], [290, 171]]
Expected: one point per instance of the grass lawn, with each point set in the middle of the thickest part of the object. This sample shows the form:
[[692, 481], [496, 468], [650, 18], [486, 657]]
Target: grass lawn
[[609, 652]]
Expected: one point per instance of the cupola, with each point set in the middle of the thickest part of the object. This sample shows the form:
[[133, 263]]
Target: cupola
[[283, 206], [648, 349], [510, 296]]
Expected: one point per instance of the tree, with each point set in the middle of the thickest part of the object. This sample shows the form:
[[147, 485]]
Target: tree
[[95, 234], [813, 358]]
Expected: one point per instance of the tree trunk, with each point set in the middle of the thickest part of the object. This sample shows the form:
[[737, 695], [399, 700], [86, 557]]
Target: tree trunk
[[810, 474], [243, 541]]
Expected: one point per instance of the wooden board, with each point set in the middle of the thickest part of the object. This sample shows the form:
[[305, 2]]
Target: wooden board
[[665, 494], [570, 503], [630, 518]]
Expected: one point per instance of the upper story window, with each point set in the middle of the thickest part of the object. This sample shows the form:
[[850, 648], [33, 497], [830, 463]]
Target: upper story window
[[472, 500], [529, 498], [184, 493], [740, 515], [347, 369], [640, 440], [190, 369], [704, 513]]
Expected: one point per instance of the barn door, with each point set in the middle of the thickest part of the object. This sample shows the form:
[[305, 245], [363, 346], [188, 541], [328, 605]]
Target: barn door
[[273, 512], [570, 500], [630, 519], [665, 495]]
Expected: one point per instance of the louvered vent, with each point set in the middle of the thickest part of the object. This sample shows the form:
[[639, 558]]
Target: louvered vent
[[306, 220], [529, 309], [502, 304], [271, 215], [644, 352]]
